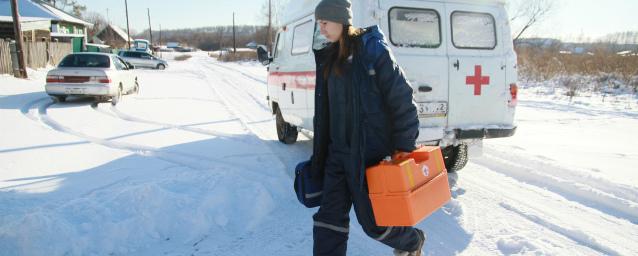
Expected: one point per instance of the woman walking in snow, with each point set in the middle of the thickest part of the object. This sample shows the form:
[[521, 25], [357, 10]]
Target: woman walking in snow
[[363, 112]]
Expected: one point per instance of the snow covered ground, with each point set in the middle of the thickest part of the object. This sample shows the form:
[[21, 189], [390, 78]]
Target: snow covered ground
[[192, 166]]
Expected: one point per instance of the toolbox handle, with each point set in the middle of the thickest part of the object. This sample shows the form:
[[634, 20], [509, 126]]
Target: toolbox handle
[[418, 156]]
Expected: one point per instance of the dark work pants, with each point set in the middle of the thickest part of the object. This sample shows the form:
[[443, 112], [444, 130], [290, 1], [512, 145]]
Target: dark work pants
[[331, 223]]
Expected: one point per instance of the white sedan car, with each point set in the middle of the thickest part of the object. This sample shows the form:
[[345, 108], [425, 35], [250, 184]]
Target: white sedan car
[[105, 76]]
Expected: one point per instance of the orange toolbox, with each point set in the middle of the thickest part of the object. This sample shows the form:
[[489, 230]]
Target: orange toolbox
[[407, 189]]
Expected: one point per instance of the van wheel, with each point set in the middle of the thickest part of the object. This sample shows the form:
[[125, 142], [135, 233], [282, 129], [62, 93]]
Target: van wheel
[[161, 67], [455, 157], [286, 132]]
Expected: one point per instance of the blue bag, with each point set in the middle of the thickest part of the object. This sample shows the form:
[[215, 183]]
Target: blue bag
[[309, 191]]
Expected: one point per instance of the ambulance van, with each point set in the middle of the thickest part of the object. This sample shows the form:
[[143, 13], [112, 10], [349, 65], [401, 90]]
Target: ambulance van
[[458, 56]]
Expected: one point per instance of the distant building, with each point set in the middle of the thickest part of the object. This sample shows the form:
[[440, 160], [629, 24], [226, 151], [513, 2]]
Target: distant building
[[41, 21]]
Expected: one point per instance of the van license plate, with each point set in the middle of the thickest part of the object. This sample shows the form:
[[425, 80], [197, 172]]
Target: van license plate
[[432, 109]]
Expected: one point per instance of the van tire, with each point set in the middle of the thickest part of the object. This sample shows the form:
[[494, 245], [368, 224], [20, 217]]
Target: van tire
[[455, 157], [286, 132], [161, 66]]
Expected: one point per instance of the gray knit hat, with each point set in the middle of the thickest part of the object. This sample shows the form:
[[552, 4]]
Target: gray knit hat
[[334, 10]]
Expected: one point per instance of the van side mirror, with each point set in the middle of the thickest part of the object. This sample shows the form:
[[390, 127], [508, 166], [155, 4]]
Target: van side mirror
[[263, 56]]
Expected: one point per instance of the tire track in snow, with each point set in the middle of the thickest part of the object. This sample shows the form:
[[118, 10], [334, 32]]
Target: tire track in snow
[[238, 87], [242, 118], [573, 234], [288, 154], [176, 98], [563, 218], [26, 109], [241, 72], [612, 199], [178, 158], [116, 113]]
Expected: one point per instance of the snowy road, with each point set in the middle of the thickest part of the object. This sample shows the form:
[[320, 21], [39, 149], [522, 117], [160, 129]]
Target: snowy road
[[192, 166]]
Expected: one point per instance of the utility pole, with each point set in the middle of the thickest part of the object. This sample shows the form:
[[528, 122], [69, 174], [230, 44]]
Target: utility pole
[[108, 18], [269, 40], [160, 40], [234, 45], [128, 29], [150, 28], [22, 71]]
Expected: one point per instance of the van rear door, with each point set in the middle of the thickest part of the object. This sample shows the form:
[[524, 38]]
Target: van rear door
[[478, 93], [416, 34]]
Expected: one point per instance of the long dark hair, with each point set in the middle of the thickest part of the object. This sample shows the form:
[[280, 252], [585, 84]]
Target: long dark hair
[[342, 49]]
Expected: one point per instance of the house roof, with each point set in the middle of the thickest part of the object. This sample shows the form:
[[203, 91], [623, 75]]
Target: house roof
[[35, 9], [120, 32]]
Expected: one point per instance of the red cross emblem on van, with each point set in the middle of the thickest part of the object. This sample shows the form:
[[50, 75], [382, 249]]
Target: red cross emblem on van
[[477, 80]]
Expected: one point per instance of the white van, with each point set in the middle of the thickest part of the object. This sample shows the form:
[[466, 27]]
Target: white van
[[457, 54]]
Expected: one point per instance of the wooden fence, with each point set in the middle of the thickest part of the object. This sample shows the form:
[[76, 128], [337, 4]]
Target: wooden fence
[[37, 54], [5, 58]]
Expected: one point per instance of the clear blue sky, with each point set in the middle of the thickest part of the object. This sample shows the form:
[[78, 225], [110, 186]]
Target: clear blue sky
[[178, 14], [569, 19]]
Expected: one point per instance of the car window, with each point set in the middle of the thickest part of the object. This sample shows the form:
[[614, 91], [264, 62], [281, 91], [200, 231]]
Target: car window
[[122, 62], [472, 30], [411, 27], [132, 54], [118, 64], [302, 38], [85, 61]]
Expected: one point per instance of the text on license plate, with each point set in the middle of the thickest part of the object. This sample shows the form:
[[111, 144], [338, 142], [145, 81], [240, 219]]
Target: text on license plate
[[432, 109], [74, 90]]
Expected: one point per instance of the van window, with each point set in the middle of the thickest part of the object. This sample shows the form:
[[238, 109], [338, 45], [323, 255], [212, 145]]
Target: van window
[[319, 41], [302, 38], [410, 27], [279, 45], [473, 30]]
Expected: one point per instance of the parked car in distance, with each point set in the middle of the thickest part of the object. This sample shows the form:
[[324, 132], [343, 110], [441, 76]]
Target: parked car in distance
[[143, 60], [102, 75]]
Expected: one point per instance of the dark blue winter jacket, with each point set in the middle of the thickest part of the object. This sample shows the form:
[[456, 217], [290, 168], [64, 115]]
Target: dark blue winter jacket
[[384, 117]]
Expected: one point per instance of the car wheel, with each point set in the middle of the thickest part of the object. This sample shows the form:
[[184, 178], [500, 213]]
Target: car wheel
[[118, 97], [455, 157], [161, 67], [286, 132], [136, 89]]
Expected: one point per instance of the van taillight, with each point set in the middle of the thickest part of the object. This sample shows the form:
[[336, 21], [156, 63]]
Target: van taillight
[[514, 94], [55, 79]]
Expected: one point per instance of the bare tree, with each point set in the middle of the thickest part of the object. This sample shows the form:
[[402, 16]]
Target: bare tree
[[531, 12], [271, 11], [68, 6], [98, 21]]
